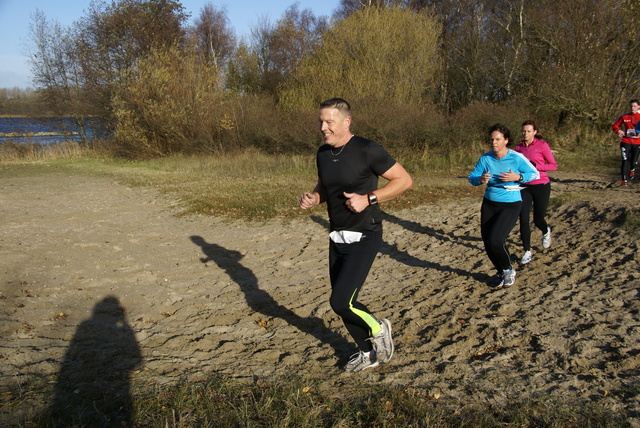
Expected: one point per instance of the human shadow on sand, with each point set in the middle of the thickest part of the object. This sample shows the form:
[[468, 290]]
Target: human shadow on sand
[[262, 302], [93, 386], [439, 234], [407, 259]]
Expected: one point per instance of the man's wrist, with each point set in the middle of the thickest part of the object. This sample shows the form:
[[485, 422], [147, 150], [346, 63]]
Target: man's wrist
[[373, 199]]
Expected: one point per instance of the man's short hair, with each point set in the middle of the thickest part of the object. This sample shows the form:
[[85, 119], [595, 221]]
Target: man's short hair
[[339, 104]]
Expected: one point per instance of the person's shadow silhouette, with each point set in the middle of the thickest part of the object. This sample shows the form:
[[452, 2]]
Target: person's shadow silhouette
[[261, 301], [93, 386]]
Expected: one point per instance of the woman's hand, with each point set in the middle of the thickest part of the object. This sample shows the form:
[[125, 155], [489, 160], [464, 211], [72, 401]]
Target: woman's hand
[[509, 176], [484, 178]]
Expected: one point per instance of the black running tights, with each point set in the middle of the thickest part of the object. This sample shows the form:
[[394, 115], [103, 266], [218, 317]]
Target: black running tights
[[538, 196], [349, 265], [629, 154], [497, 219]]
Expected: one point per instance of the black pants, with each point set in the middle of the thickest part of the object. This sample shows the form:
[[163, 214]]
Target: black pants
[[349, 265], [497, 219], [538, 196], [629, 154]]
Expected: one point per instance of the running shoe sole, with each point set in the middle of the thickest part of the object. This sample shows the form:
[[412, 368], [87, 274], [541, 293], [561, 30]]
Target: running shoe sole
[[389, 348]]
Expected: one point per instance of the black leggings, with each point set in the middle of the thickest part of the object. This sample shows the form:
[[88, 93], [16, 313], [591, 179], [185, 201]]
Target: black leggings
[[497, 219], [538, 196], [349, 266], [629, 154]]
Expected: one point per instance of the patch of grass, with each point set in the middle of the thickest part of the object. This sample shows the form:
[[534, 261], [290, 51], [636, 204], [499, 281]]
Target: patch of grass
[[248, 186], [298, 402], [631, 222], [252, 185]]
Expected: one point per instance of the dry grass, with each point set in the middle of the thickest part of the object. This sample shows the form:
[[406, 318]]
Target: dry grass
[[251, 185], [294, 402]]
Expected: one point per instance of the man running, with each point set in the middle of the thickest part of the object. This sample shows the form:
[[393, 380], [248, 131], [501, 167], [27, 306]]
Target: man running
[[625, 127], [348, 171]]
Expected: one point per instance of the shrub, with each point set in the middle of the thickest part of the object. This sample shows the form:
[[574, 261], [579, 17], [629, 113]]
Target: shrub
[[170, 103]]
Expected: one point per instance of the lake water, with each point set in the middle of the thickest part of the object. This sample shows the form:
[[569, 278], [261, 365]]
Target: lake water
[[46, 130]]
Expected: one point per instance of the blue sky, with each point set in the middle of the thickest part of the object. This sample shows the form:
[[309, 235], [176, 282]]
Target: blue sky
[[15, 19]]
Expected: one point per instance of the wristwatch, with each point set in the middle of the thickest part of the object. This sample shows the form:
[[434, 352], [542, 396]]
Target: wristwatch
[[373, 199]]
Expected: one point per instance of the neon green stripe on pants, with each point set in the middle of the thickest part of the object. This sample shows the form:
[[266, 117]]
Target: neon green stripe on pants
[[373, 323]]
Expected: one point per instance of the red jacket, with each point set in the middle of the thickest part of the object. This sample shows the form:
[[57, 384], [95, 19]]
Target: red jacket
[[627, 122]]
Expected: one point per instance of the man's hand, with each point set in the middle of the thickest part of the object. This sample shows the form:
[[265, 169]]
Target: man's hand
[[356, 203], [308, 200]]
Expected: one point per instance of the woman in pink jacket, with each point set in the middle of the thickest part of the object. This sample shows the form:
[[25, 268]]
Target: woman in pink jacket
[[535, 192]]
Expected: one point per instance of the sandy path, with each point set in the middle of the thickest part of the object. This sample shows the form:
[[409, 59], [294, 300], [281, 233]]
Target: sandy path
[[200, 295]]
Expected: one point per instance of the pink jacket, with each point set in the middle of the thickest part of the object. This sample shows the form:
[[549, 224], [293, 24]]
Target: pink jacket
[[539, 154]]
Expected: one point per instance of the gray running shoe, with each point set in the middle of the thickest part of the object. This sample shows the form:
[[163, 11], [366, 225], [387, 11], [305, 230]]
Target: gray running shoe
[[546, 238], [383, 342], [361, 361], [526, 258], [509, 276]]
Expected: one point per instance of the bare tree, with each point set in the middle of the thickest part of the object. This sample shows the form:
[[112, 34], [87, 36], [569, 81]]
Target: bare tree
[[583, 58], [56, 73], [347, 7], [276, 49], [213, 36]]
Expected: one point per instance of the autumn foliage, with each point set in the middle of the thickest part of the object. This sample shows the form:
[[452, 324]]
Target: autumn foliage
[[421, 75]]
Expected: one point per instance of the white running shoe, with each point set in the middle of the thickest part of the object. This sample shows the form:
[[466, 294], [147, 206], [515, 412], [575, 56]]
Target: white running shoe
[[526, 258], [383, 342], [509, 276], [361, 361], [546, 238]]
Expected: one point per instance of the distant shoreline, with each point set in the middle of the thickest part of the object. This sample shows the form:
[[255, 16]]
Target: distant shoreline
[[35, 134]]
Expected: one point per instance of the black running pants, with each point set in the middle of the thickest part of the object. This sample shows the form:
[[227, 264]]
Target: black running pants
[[497, 219], [349, 265], [536, 195]]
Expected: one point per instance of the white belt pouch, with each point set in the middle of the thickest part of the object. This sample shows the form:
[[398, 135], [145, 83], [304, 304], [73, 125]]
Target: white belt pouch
[[345, 236]]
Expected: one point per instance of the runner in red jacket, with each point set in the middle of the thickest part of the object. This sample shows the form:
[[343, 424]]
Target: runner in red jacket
[[625, 127]]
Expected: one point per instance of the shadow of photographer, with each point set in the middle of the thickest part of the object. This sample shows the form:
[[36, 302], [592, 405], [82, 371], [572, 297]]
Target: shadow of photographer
[[93, 386]]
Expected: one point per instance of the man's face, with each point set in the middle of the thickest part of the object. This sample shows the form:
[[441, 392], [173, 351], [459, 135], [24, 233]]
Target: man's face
[[334, 126], [635, 107]]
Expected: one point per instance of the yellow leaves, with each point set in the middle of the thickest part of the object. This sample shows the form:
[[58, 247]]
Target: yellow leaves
[[228, 123], [389, 53], [264, 324]]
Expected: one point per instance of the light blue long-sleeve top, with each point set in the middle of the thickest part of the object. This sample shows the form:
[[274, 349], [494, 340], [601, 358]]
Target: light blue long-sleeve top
[[503, 191]]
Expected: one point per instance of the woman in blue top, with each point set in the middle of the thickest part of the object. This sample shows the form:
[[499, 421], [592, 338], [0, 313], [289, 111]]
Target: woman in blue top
[[502, 170]]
